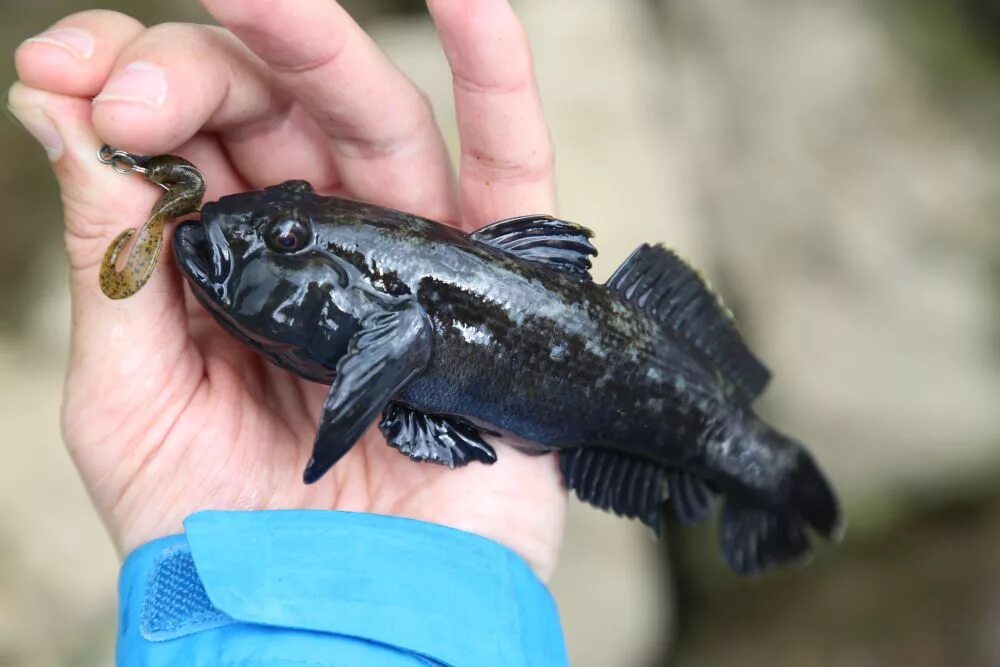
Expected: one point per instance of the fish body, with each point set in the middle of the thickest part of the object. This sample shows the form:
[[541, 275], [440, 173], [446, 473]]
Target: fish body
[[642, 384]]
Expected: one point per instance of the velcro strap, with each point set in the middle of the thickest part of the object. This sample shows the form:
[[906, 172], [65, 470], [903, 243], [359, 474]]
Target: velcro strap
[[176, 603]]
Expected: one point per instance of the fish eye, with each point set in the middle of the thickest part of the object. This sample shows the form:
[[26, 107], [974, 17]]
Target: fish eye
[[287, 235]]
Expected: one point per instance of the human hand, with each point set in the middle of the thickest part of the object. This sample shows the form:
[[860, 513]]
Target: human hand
[[164, 413]]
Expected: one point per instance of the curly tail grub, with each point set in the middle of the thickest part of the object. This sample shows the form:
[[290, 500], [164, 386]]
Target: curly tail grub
[[185, 187]]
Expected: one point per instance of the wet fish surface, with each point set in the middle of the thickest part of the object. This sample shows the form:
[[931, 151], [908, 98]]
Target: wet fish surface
[[642, 385]]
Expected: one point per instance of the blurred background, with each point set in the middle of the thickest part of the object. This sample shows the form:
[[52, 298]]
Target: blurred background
[[835, 170]]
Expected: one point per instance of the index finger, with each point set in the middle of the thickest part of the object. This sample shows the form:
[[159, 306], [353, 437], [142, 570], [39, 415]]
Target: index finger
[[385, 142], [507, 158]]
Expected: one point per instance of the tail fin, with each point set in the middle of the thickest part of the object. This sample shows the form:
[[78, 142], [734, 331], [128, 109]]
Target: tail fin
[[754, 539], [814, 499], [757, 537]]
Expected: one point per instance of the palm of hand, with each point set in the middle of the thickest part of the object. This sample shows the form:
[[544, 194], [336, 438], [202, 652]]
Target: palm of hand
[[166, 414], [237, 436]]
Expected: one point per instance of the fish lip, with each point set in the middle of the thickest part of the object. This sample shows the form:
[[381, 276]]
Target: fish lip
[[220, 256], [196, 254]]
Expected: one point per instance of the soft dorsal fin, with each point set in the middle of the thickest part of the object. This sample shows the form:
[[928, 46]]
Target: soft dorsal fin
[[661, 284], [556, 244]]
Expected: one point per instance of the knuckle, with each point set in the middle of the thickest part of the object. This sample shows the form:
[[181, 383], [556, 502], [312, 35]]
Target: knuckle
[[299, 64], [534, 166], [494, 70], [504, 85], [391, 134], [102, 19], [176, 44], [84, 223], [179, 35]]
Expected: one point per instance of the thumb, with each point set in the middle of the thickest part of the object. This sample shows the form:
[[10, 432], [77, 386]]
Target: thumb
[[119, 349]]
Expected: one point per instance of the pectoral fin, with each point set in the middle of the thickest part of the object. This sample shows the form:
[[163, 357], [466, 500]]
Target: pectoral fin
[[389, 349]]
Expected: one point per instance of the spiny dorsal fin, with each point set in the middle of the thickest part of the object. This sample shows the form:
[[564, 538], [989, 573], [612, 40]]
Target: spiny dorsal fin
[[625, 485], [557, 244], [661, 284]]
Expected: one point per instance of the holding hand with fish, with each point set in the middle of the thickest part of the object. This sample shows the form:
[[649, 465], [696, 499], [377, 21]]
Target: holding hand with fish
[[475, 344]]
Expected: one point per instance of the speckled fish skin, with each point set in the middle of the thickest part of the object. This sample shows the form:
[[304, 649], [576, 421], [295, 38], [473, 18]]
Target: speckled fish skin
[[517, 348]]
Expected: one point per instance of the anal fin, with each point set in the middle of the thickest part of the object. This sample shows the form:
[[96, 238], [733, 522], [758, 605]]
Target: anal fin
[[434, 438], [626, 485], [690, 495]]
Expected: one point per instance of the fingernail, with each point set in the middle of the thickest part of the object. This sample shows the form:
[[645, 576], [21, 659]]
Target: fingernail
[[40, 126], [77, 42], [140, 81]]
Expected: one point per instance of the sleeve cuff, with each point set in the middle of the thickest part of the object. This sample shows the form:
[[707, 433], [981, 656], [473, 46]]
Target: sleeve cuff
[[276, 587]]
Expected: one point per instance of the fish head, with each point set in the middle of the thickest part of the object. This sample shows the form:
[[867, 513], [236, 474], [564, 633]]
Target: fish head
[[255, 262]]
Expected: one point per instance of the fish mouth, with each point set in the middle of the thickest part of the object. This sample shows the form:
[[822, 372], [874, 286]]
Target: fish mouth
[[203, 255], [200, 258], [206, 260]]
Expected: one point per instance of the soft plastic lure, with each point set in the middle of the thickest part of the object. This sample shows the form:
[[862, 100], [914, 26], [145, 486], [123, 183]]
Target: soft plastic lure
[[185, 187]]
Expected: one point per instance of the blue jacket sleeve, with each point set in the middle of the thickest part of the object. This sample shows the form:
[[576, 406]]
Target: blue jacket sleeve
[[318, 589]]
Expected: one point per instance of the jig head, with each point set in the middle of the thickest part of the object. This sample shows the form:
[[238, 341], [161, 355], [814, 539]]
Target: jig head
[[185, 187]]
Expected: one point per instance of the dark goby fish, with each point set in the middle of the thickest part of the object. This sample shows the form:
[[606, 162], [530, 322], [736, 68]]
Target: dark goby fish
[[642, 385]]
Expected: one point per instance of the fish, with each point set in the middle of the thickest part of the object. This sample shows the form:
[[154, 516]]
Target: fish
[[643, 386]]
